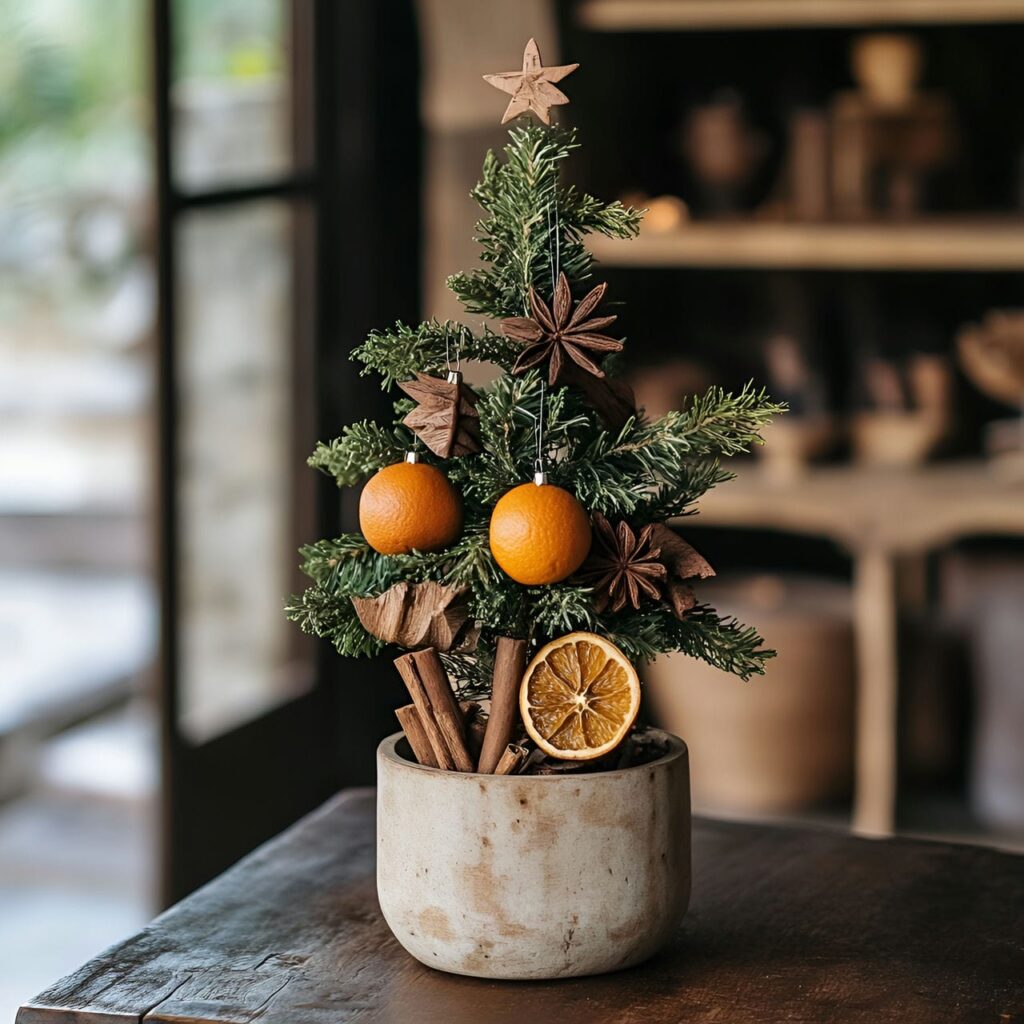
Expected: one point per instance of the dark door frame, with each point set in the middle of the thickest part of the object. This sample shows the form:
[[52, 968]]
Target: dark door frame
[[356, 265]]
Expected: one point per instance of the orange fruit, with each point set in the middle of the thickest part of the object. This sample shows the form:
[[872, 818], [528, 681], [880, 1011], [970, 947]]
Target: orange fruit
[[539, 534], [579, 697], [408, 506]]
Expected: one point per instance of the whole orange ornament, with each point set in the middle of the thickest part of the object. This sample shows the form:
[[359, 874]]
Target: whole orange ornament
[[409, 506], [539, 534]]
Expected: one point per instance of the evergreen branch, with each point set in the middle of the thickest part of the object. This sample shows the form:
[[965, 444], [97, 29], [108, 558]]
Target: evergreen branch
[[321, 560], [525, 205], [702, 634], [719, 423], [398, 353], [362, 449], [674, 497], [508, 412], [563, 608], [656, 468], [470, 673], [649, 471], [332, 616]]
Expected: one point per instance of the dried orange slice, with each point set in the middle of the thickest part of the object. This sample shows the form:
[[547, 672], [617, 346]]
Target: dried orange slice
[[579, 697]]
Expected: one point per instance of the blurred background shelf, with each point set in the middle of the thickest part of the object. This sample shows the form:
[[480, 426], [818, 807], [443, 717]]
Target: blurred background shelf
[[902, 510], [974, 245], [884, 519], [667, 15], [834, 203]]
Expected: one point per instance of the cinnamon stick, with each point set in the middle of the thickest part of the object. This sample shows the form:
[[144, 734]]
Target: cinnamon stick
[[409, 719], [511, 760], [425, 713], [427, 683], [509, 663]]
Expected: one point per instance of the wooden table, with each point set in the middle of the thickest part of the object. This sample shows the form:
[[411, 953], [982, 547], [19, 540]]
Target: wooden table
[[886, 520], [785, 925]]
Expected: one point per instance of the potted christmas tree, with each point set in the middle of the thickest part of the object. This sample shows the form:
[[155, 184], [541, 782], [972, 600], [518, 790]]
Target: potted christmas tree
[[517, 541]]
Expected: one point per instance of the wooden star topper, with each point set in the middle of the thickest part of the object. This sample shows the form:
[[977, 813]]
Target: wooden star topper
[[532, 88]]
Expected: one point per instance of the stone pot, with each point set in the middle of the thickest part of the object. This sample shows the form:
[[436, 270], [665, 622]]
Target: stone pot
[[530, 877]]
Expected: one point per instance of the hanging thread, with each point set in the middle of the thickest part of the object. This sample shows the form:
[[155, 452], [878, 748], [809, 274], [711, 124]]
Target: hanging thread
[[540, 476], [554, 239]]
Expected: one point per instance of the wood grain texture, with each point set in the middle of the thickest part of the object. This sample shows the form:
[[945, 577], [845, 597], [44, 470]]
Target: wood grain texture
[[956, 244], [667, 15], [785, 924]]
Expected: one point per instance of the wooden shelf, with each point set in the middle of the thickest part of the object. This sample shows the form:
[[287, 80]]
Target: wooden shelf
[[954, 245], [899, 510], [669, 15]]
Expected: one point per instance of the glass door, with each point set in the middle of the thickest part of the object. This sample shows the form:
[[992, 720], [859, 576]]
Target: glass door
[[276, 178]]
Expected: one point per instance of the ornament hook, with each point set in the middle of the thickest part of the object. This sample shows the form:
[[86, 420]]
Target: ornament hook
[[540, 476], [454, 376]]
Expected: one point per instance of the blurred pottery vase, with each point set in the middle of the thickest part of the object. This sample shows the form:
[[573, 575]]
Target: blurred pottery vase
[[909, 422], [722, 151], [895, 439], [887, 66], [887, 137], [665, 387], [665, 214], [807, 432], [784, 742], [791, 443], [992, 356]]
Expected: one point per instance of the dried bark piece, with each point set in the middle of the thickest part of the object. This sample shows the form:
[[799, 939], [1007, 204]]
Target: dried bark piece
[[446, 419], [558, 335], [683, 562], [420, 615], [532, 88], [680, 597], [611, 398], [681, 559]]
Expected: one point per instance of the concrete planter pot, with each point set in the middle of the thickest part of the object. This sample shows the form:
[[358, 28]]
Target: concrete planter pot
[[530, 877]]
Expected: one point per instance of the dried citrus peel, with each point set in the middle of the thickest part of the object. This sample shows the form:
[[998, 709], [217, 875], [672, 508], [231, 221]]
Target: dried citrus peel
[[579, 697]]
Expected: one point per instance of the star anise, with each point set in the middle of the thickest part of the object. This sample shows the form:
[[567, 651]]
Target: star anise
[[625, 566], [557, 332], [622, 565]]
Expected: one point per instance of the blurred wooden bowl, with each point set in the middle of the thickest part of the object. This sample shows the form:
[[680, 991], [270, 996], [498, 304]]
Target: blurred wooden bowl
[[895, 438], [791, 443]]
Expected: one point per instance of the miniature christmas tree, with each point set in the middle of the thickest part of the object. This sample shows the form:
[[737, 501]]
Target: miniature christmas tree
[[500, 519]]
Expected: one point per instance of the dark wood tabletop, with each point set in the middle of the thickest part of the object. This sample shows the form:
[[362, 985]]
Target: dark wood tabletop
[[785, 925]]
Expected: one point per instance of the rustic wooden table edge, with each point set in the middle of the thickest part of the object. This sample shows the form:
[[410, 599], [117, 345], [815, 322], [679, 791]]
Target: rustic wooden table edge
[[786, 923]]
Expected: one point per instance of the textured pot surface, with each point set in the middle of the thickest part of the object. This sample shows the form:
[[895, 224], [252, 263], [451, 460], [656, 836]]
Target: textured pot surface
[[532, 876]]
